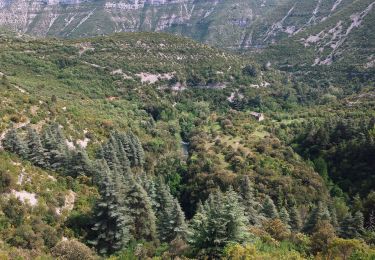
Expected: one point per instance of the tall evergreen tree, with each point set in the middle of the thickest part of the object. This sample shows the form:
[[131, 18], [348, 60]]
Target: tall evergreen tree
[[180, 225], [284, 217], [139, 152], [151, 188], [170, 218], [79, 164], [35, 148], [295, 219], [123, 158], [221, 220], [352, 226], [56, 151], [251, 206], [139, 209], [333, 216], [110, 155], [111, 220], [319, 213], [13, 143], [269, 209]]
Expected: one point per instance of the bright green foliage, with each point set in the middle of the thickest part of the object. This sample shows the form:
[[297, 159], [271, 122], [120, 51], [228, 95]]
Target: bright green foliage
[[219, 221], [269, 209]]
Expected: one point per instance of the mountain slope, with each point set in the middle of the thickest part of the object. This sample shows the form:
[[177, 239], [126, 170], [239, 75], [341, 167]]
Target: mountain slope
[[224, 23], [96, 130], [157, 85], [340, 49]]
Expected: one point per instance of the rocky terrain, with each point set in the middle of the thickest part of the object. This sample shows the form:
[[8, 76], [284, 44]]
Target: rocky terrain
[[340, 47], [224, 23]]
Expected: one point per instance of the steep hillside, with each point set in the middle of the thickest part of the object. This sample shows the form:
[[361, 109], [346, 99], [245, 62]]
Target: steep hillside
[[339, 49], [224, 23], [128, 121]]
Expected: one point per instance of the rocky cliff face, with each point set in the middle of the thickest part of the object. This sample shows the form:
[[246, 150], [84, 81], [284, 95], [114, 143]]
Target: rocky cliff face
[[225, 23]]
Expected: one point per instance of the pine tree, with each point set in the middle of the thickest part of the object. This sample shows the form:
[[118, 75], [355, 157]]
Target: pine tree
[[13, 143], [79, 164], [110, 155], [359, 223], [126, 145], [133, 149], [357, 203], [111, 221], [56, 151], [151, 188], [269, 209], [284, 217], [333, 216], [180, 225], [221, 220], [295, 219], [139, 209], [170, 218], [123, 158], [319, 213], [139, 152], [35, 148], [352, 226], [251, 206]]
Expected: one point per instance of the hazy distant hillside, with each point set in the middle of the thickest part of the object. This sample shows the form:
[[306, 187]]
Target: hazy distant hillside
[[339, 49], [224, 23]]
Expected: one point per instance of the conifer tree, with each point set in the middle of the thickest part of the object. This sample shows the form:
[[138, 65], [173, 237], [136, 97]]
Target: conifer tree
[[180, 225], [319, 213], [284, 217], [221, 220], [251, 206], [35, 148], [124, 145], [13, 143], [139, 152], [79, 164], [359, 223], [139, 209], [111, 221], [151, 188], [170, 218], [56, 151], [352, 226], [110, 155], [124, 162], [295, 219], [357, 203], [269, 209], [333, 216], [133, 149]]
